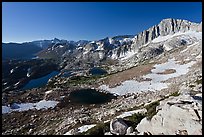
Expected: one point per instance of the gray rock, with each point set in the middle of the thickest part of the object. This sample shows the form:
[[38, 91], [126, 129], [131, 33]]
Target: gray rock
[[181, 109], [118, 126], [129, 131], [181, 132]]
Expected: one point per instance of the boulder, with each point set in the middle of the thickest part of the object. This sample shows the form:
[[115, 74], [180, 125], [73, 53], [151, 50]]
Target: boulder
[[118, 126]]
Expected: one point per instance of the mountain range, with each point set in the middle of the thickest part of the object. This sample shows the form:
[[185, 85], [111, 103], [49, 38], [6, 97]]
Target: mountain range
[[118, 47]]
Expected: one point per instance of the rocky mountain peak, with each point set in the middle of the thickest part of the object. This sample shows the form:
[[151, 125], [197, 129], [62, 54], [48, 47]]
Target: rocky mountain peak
[[165, 27]]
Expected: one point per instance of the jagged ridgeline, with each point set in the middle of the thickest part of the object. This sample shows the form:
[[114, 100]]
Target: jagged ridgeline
[[117, 47]]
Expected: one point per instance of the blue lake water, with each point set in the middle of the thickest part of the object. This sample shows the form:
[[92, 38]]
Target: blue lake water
[[66, 74], [39, 82], [97, 71]]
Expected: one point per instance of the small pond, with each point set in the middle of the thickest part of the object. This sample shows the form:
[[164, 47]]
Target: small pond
[[97, 71], [90, 96]]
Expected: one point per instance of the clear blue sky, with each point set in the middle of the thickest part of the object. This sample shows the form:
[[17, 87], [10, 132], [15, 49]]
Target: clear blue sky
[[28, 21]]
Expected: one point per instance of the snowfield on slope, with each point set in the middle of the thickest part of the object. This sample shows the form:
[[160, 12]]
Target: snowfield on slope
[[156, 82], [186, 35], [43, 104]]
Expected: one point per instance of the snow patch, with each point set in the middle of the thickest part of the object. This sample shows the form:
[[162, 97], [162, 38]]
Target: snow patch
[[49, 91], [17, 83], [128, 55], [100, 48], [82, 129], [28, 75], [36, 57], [130, 113], [28, 72], [86, 127], [171, 64], [43, 104], [61, 97], [197, 35], [156, 82], [5, 109], [131, 86], [111, 41], [12, 71], [80, 48]]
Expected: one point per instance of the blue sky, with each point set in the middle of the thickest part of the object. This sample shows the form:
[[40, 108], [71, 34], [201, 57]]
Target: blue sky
[[28, 21]]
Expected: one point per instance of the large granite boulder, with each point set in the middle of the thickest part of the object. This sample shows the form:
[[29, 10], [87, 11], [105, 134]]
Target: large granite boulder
[[118, 126]]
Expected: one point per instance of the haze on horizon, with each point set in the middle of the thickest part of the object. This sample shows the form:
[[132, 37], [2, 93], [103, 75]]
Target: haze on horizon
[[29, 21]]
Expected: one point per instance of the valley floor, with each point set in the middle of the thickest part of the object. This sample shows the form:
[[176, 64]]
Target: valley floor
[[169, 97]]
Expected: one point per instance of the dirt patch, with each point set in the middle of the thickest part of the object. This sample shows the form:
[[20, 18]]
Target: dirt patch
[[167, 71], [129, 74], [141, 79]]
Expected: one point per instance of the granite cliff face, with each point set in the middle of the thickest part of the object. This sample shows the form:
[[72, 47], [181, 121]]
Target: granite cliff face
[[164, 28]]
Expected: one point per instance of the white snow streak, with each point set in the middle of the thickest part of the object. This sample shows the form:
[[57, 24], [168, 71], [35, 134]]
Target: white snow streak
[[130, 113], [17, 83], [12, 71], [82, 129], [128, 55], [49, 91], [86, 127]]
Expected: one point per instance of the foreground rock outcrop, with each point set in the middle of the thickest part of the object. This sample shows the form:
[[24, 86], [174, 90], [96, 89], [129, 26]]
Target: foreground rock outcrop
[[176, 115]]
